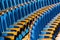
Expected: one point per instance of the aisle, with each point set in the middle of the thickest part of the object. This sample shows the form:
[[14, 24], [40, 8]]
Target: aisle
[[58, 36]]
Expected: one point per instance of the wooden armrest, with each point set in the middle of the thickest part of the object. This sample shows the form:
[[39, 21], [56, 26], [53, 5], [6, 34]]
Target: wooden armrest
[[12, 32], [54, 24], [15, 29], [52, 29], [20, 26], [21, 23], [52, 32], [29, 18], [45, 39], [10, 37]]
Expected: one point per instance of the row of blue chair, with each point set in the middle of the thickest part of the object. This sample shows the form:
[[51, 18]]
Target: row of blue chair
[[43, 20], [4, 4], [10, 3], [19, 37], [50, 31], [28, 20], [10, 17]]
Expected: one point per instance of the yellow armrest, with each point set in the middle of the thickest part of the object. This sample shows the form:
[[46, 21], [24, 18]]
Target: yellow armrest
[[57, 21], [42, 11], [50, 35], [37, 13], [20, 26], [53, 29], [28, 18], [16, 29], [10, 37], [59, 17], [21, 23], [14, 33], [32, 16], [25, 21], [45, 39], [53, 26], [48, 31]]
